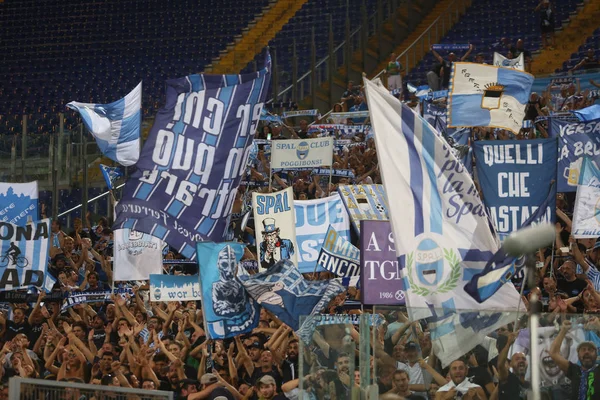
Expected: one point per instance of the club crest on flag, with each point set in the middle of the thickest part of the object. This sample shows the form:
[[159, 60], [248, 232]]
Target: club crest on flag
[[432, 269], [302, 150], [492, 96]]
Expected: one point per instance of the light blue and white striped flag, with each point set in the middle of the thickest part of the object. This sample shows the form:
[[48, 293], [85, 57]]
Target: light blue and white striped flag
[[441, 229], [24, 252], [484, 95], [110, 174], [115, 126]]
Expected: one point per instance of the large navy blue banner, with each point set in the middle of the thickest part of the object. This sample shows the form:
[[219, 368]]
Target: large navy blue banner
[[194, 158], [515, 178], [576, 140]]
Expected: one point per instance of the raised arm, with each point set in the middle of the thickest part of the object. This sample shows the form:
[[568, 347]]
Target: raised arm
[[554, 352], [503, 371]]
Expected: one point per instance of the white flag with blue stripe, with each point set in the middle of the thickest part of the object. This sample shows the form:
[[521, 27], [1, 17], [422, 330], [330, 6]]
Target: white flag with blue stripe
[[440, 226], [115, 126], [484, 95], [24, 252]]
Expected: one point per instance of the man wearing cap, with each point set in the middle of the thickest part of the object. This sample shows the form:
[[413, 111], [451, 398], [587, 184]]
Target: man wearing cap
[[267, 389], [273, 248], [585, 378], [213, 388], [413, 368]]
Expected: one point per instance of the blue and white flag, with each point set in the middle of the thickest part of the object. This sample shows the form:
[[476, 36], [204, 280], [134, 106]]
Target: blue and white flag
[[194, 159], [228, 310], [339, 256], [19, 202], [514, 176], [364, 202], [24, 252], [283, 291], [174, 287], [483, 95], [575, 141], [441, 231], [501, 268], [115, 126], [110, 174], [313, 218], [588, 114], [586, 217], [270, 118], [514, 63]]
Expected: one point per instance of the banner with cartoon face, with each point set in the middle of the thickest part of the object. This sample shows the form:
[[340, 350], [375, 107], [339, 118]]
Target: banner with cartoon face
[[274, 221], [136, 255]]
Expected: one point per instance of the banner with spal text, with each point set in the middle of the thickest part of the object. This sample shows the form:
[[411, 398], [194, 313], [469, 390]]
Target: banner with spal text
[[302, 153], [575, 141], [19, 202], [515, 177], [313, 218], [194, 158], [274, 227]]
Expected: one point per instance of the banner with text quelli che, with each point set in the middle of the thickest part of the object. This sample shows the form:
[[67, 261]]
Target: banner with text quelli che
[[515, 178], [194, 158]]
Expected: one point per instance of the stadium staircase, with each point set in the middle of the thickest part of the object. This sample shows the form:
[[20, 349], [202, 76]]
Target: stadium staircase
[[406, 17], [582, 25], [454, 8], [256, 36]]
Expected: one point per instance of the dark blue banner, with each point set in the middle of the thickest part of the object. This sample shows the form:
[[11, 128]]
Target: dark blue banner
[[194, 158], [575, 140], [515, 178]]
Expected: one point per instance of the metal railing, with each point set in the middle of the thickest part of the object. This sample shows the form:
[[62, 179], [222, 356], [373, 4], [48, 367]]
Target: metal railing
[[25, 389]]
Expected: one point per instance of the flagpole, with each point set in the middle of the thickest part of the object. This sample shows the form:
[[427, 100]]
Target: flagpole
[[270, 176], [330, 178]]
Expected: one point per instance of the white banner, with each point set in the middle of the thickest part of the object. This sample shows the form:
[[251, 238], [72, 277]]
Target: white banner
[[441, 232], [274, 227], [515, 63], [586, 217], [174, 287], [136, 255], [301, 153], [313, 218]]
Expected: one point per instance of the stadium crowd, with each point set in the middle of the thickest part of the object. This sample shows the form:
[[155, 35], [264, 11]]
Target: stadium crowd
[[131, 341]]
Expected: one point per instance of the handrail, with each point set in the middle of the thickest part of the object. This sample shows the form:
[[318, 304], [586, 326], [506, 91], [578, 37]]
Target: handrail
[[323, 60], [443, 14]]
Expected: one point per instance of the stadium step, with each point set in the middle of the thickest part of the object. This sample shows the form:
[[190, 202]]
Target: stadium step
[[440, 8], [401, 18], [253, 40], [568, 40]]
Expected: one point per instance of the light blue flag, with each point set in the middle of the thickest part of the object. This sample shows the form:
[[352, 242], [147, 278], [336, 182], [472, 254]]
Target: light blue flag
[[115, 126], [19, 202], [228, 310], [24, 254], [110, 174], [484, 95], [588, 114]]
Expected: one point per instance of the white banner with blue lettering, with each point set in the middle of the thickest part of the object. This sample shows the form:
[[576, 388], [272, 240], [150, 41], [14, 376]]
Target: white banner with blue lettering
[[301, 153], [24, 254], [576, 140], [515, 176], [174, 287], [137, 255], [228, 310], [193, 160], [586, 217], [19, 202], [274, 227], [313, 218], [441, 230]]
